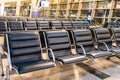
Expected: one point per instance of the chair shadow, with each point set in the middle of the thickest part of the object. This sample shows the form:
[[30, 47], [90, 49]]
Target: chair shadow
[[93, 71]]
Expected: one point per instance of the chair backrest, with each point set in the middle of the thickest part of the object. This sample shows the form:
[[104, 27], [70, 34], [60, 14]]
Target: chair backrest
[[15, 26], [111, 24], [117, 24], [23, 47], [76, 24], [84, 38], [59, 42], [42, 25], [30, 25], [21, 19], [3, 19], [103, 35], [30, 19], [85, 24], [3, 27], [67, 25], [11, 19], [56, 24], [116, 33]]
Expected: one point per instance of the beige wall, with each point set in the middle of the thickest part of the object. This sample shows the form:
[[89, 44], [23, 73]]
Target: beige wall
[[3, 1]]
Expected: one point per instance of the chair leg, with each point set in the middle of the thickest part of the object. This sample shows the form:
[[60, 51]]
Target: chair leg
[[108, 58], [118, 56], [1, 65], [7, 73]]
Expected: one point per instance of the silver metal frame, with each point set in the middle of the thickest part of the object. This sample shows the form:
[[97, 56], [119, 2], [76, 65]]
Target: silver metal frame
[[105, 45], [53, 56], [2, 71], [83, 49]]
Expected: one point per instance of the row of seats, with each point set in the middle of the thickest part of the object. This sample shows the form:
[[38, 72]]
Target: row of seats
[[24, 49], [36, 19], [40, 25], [112, 24]]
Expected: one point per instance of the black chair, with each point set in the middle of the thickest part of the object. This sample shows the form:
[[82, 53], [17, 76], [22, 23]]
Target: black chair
[[58, 42], [15, 26], [76, 24], [83, 39], [24, 53], [30, 25], [11, 19], [3, 27], [21, 19], [85, 24], [3, 19], [30, 19], [67, 25], [116, 36], [117, 24], [56, 24], [111, 25], [104, 40], [43, 25]]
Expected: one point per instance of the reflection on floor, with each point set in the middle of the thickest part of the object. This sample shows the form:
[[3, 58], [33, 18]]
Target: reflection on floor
[[100, 69]]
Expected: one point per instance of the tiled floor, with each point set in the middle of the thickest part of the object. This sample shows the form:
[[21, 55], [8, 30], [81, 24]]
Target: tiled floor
[[100, 69]]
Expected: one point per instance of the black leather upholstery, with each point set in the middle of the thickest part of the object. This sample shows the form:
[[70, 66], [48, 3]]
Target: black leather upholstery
[[42, 25], [111, 24], [103, 35], [15, 26], [117, 24], [76, 24], [3, 27], [59, 42], [116, 32], [25, 53], [56, 25], [67, 25], [84, 38], [85, 24], [30, 25]]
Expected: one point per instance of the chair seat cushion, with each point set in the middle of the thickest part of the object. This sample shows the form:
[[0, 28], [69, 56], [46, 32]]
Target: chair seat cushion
[[34, 65], [97, 53], [71, 58], [115, 49]]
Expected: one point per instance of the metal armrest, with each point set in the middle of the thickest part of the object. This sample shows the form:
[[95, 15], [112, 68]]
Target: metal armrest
[[51, 52], [54, 28], [105, 45], [2, 72], [83, 49], [26, 29], [112, 37], [1, 46]]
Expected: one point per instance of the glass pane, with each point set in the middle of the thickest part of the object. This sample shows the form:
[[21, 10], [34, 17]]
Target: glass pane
[[116, 13], [102, 13], [87, 5], [63, 6], [104, 4], [85, 13], [74, 6], [53, 6], [73, 13], [117, 4]]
